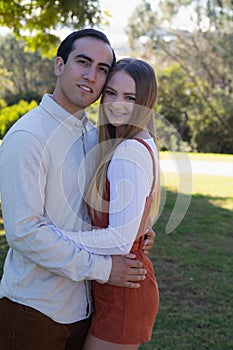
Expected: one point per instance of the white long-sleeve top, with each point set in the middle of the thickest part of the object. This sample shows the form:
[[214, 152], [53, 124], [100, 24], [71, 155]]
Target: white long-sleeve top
[[130, 174]]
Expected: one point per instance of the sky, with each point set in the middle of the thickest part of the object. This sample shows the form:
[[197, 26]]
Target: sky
[[120, 10]]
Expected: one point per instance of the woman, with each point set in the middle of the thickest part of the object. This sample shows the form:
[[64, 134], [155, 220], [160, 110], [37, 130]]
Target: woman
[[124, 196], [123, 200]]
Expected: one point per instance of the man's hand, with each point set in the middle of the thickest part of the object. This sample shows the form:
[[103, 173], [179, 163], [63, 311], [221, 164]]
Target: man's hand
[[126, 271], [149, 241]]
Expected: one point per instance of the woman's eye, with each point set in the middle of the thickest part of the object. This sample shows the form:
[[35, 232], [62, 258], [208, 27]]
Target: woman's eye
[[130, 98], [109, 92]]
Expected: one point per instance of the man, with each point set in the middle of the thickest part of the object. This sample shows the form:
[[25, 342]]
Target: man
[[45, 291]]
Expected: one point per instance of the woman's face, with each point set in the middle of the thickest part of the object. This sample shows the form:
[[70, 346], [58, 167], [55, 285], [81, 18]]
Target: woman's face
[[119, 98]]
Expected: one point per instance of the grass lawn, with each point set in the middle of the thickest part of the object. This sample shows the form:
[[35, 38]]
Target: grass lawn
[[203, 156], [193, 266]]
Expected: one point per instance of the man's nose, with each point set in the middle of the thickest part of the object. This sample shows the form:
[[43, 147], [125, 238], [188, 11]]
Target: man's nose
[[90, 74]]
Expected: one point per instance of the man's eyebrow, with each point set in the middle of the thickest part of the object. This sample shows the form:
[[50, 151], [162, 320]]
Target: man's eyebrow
[[85, 57], [91, 60]]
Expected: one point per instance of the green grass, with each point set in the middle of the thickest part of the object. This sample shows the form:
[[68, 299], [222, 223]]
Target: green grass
[[202, 156], [193, 266]]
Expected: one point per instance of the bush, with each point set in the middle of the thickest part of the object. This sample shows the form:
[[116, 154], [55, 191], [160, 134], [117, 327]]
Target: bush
[[10, 114], [13, 99]]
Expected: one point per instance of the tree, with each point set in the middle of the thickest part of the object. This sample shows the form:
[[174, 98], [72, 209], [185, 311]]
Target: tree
[[28, 75], [175, 99], [204, 53], [5, 80], [41, 17]]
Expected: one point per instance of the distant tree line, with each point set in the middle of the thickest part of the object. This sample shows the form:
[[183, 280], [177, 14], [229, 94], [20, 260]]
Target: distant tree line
[[194, 67], [25, 77]]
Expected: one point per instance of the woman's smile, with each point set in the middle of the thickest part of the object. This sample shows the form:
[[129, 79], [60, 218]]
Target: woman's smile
[[119, 98]]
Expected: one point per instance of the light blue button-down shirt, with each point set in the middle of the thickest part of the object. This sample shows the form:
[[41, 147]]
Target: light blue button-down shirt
[[45, 163]]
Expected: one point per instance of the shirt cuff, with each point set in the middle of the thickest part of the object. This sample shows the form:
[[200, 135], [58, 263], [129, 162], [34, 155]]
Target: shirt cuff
[[102, 269]]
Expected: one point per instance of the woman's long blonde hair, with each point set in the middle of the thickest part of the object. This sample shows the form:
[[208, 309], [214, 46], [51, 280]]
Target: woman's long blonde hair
[[142, 118]]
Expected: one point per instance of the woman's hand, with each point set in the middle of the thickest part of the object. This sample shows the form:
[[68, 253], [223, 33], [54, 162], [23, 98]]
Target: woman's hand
[[149, 240]]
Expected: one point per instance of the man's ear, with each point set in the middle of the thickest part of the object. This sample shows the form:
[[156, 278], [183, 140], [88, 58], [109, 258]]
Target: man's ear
[[59, 66]]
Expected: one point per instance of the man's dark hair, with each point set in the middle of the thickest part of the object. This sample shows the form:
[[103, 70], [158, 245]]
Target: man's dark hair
[[67, 45]]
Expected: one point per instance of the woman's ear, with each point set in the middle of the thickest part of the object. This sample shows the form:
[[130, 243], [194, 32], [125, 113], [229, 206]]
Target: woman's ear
[[59, 66]]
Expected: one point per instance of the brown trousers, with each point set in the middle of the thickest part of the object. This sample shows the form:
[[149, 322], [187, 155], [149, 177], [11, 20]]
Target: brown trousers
[[24, 328]]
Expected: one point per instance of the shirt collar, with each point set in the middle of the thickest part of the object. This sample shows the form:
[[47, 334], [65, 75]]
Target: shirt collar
[[61, 115]]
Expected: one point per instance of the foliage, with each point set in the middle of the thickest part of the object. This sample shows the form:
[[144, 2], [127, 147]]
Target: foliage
[[27, 76], [27, 72], [42, 18], [28, 96], [204, 54], [175, 98], [4, 77], [93, 112], [9, 114]]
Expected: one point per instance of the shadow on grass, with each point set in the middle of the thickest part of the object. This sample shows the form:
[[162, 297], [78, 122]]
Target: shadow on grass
[[193, 266]]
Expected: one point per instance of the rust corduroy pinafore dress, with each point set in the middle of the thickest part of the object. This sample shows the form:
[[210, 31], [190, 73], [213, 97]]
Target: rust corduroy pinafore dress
[[124, 315]]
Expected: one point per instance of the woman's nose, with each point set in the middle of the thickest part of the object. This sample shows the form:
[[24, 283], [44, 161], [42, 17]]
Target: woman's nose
[[118, 104]]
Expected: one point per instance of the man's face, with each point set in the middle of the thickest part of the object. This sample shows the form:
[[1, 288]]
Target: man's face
[[82, 78]]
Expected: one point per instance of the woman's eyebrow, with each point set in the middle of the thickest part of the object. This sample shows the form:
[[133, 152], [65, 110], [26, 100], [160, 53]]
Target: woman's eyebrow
[[109, 87]]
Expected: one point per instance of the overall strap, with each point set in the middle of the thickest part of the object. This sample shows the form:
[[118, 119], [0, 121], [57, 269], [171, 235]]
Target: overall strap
[[153, 159]]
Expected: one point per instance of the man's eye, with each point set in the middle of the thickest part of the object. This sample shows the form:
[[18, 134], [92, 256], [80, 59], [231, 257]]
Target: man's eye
[[104, 70], [82, 61]]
